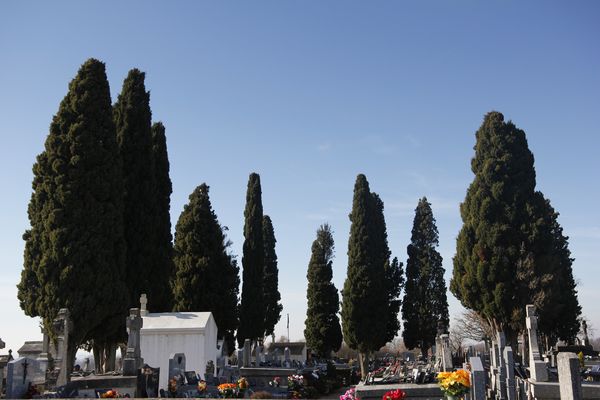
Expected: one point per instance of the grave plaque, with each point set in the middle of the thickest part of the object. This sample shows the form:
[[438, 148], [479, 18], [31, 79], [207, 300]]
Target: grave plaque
[[177, 366]]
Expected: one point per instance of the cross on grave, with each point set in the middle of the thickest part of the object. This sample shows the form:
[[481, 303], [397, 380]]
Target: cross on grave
[[25, 365]]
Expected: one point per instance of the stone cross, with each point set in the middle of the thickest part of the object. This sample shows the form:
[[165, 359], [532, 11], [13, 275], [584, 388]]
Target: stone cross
[[133, 359], [569, 377], [537, 367], [143, 305], [247, 351], [62, 327]]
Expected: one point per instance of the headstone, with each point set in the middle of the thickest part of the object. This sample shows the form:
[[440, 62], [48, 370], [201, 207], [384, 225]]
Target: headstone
[[240, 358], [133, 361], [177, 366], [86, 365], [62, 327], [21, 373], [446, 352], [509, 362], [287, 357], [537, 367], [258, 354], [143, 305], [247, 347], [478, 375], [501, 372], [44, 357], [569, 377], [147, 383]]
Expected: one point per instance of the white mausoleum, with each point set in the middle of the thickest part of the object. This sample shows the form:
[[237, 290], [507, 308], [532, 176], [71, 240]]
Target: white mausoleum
[[191, 333]]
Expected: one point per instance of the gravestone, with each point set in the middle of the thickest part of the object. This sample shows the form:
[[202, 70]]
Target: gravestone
[[537, 367], [63, 327], [240, 358], [45, 358], [446, 352], [209, 371], [247, 351], [501, 372], [569, 377], [147, 382], [257, 354], [287, 357], [21, 373], [478, 375], [133, 359], [509, 362], [177, 366]]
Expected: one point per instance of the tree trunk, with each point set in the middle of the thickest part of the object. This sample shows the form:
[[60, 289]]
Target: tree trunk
[[110, 351], [98, 358], [363, 359]]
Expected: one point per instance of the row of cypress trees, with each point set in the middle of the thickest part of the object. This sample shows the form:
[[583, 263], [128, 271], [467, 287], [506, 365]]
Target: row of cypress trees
[[99, 213], [100, 231]]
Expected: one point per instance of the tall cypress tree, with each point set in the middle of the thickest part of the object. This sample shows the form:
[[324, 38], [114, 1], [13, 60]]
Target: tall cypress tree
[[510, 251], [394, 278], [162, 228], [74, 251], [272, 296], [425, 303], [207, 276], [133, 122], [364, 305], [252, 312], [322, 327]]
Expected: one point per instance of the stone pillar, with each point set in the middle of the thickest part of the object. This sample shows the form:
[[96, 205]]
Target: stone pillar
[[133, 361], [240, 358], [478, 375], [143, 305], [537, 367], [247, 351], [446, 352], [287, 356], [63, 327], [569, 377], [509, 362]]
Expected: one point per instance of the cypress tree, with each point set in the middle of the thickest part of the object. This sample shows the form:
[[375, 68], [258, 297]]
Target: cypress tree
[[510, 251], [134, 135], [162, 228], [364, 297], [271, 292], [322, 327], [425, 302], [74, 251], [252, 312], [207, 276], [394, 274]]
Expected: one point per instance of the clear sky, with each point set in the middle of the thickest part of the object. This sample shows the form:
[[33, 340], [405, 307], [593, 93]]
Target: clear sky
[[309, 94]]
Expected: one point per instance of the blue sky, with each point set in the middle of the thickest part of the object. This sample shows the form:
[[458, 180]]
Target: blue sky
[[309, 94]]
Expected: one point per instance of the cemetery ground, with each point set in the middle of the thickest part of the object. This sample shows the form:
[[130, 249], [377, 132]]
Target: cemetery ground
[[258, 372]]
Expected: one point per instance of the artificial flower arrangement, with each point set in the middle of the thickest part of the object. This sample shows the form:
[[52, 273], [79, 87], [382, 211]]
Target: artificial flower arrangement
[[394, 395], [110, 394], [349, 395], [454, 384], [201, 386], [228, 390], [276, 382], [242, 384]]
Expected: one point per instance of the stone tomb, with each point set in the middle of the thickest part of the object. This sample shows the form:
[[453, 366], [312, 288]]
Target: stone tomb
[[21, 373]]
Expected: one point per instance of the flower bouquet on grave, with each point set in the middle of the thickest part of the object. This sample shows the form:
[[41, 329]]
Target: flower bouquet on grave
[[276, 382], [394, 395], [242, 386], [201, 387], [110, 394], [172, 387], [349, 395], [454, 384], [228, 390]]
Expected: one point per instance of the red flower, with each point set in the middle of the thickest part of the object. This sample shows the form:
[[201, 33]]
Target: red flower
[[394, 395]]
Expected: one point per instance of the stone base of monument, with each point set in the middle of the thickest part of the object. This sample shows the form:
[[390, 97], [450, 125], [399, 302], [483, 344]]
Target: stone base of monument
[[429, 391], [88, 385]]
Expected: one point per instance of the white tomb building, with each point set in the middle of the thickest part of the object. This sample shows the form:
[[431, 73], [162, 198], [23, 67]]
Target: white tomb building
[[164, 334]]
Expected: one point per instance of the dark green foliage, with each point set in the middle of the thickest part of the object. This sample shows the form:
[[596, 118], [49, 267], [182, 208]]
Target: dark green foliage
[[365, 300], [74, 251], [425, 303], [271, 281], [322, 330], [252, 312], [511, 251], [133, 122], [207, 276], [552, 286], [162, 228]]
